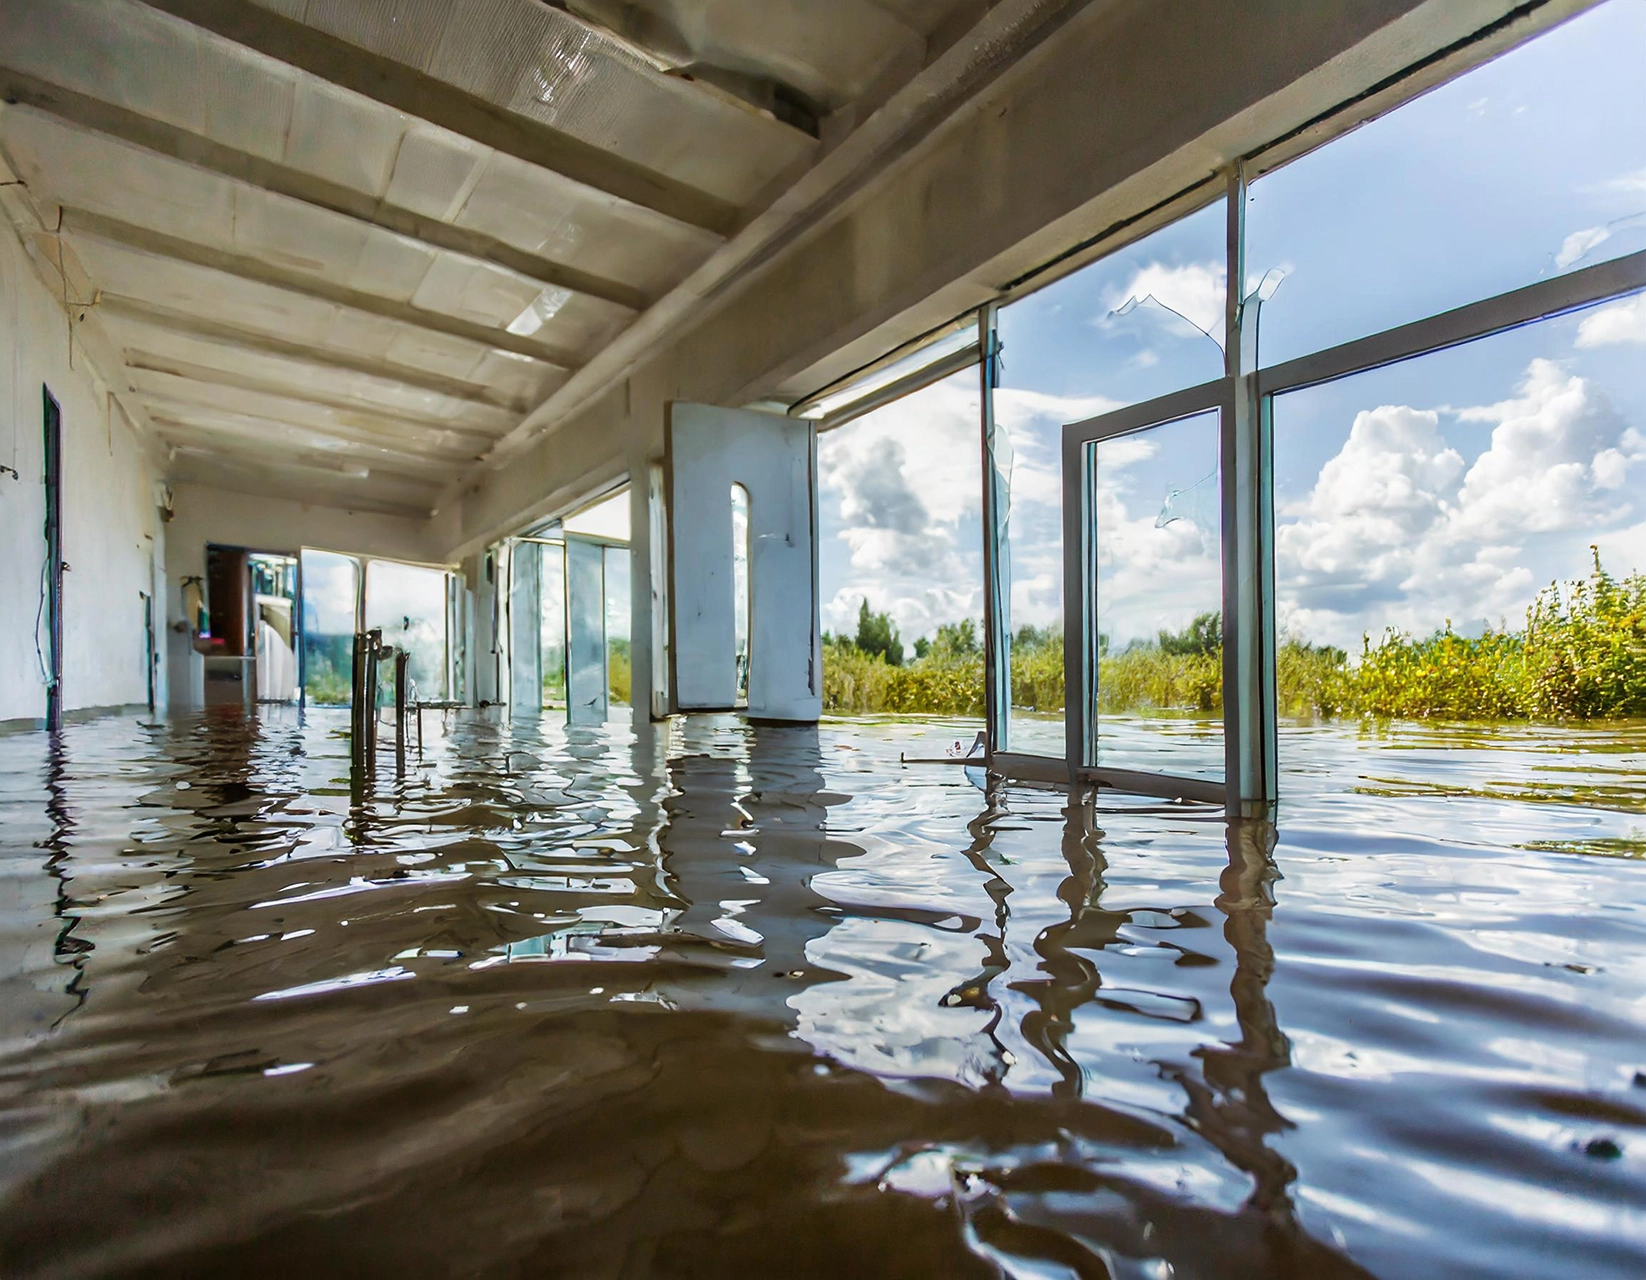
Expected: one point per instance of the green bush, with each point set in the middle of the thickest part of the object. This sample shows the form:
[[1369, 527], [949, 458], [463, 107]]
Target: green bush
[[1582, 656]]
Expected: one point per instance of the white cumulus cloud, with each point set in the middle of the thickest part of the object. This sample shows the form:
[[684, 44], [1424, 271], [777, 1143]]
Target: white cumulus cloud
[[1622, 322], [1194, 290], [1398, 530]]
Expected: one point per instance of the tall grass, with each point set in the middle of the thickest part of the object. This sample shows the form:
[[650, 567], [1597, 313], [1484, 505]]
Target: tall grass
[[1581, 656]]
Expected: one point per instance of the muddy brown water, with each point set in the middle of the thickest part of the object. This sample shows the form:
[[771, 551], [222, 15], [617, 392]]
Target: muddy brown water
[[734, 1001]]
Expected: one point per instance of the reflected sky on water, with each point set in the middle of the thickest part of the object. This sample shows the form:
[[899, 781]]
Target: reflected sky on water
[[759, 1001]]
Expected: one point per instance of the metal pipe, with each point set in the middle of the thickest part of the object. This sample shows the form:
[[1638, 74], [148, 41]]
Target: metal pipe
[[357, 704], [374, 649], [402, 660]]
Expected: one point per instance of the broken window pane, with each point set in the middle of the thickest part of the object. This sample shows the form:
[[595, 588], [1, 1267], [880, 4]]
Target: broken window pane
[[1143, 322], [408, 602], [1529, 166]]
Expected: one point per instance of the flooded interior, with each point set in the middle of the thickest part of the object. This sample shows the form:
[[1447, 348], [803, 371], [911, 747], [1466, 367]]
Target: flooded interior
[[734, 1000], [770, 638]]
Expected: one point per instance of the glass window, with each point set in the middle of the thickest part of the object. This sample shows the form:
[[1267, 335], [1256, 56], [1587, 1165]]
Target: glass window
[[912, 363], [1529, 166], [619, 609], [408, 602], [1438, 523], [552, 566], [1156, 624], [900, 495], [1144, 321], [588, 687], [608, 518], [331, 585]]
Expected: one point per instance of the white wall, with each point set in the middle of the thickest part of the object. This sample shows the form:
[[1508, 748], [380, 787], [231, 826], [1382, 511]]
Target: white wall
[[112, 534], [203, 514]]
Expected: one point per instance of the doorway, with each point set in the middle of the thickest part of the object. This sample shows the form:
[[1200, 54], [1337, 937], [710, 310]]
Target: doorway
[[250, 642], [569, 608]]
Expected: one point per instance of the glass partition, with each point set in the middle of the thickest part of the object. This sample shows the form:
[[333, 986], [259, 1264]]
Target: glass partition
[[587, 684], [408, 602], [619, 609], [1155, 636], [1142, 322], [331, 591], [552, 633]]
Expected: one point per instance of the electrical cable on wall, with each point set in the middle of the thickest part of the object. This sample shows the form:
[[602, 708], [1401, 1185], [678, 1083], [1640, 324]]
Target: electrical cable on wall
[[39, 613]]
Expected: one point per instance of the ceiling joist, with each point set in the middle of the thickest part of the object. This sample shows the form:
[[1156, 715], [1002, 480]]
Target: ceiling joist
[[406, 89]]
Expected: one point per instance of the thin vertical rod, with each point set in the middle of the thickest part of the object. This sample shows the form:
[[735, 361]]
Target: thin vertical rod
[[374, 650], [997, 672], [357, 703], [402, 661], [1076, 583]]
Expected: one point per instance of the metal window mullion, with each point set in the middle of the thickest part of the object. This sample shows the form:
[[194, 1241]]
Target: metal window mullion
[[997, 670], [1249, 712], [1541, 301], [1077, 688], [1091, 657], [1151, 413]]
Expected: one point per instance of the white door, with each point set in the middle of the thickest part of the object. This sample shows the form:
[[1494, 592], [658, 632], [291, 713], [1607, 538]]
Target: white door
[[588, 679], [774, 459]]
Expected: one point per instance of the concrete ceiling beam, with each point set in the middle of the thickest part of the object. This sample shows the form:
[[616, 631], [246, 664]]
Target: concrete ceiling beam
[[92, 116], [307, 485], [244, 442], [181, 398], [406, 89], [83, 223], [142, 366], [144, 316]]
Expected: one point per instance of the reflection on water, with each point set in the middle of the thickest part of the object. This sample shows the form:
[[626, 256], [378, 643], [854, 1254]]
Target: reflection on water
[[754, 1001]]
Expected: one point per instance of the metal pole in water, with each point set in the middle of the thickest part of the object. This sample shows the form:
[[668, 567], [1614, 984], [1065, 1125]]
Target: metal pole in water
[[357, 704], [402, 661], [374, 650]]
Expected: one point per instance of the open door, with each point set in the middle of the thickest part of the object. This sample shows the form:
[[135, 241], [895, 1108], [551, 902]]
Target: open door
[[773, 459], [587, 678], [524, 606]]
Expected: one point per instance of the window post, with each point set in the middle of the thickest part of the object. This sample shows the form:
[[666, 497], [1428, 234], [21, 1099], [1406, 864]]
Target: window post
[[1249, 704], [997, 640]]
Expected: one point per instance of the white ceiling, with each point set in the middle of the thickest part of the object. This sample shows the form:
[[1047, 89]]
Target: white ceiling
[[340, 248]]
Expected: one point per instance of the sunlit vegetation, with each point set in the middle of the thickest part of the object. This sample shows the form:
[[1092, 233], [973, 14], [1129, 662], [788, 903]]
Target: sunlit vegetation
[[328, 661], [618, 670], [1580, 656]]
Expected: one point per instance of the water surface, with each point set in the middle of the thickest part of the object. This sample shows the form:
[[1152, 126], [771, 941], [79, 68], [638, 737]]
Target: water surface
[[747, 1001]]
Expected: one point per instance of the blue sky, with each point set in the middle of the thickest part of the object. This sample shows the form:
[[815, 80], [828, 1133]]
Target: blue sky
[[1449, 487]]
